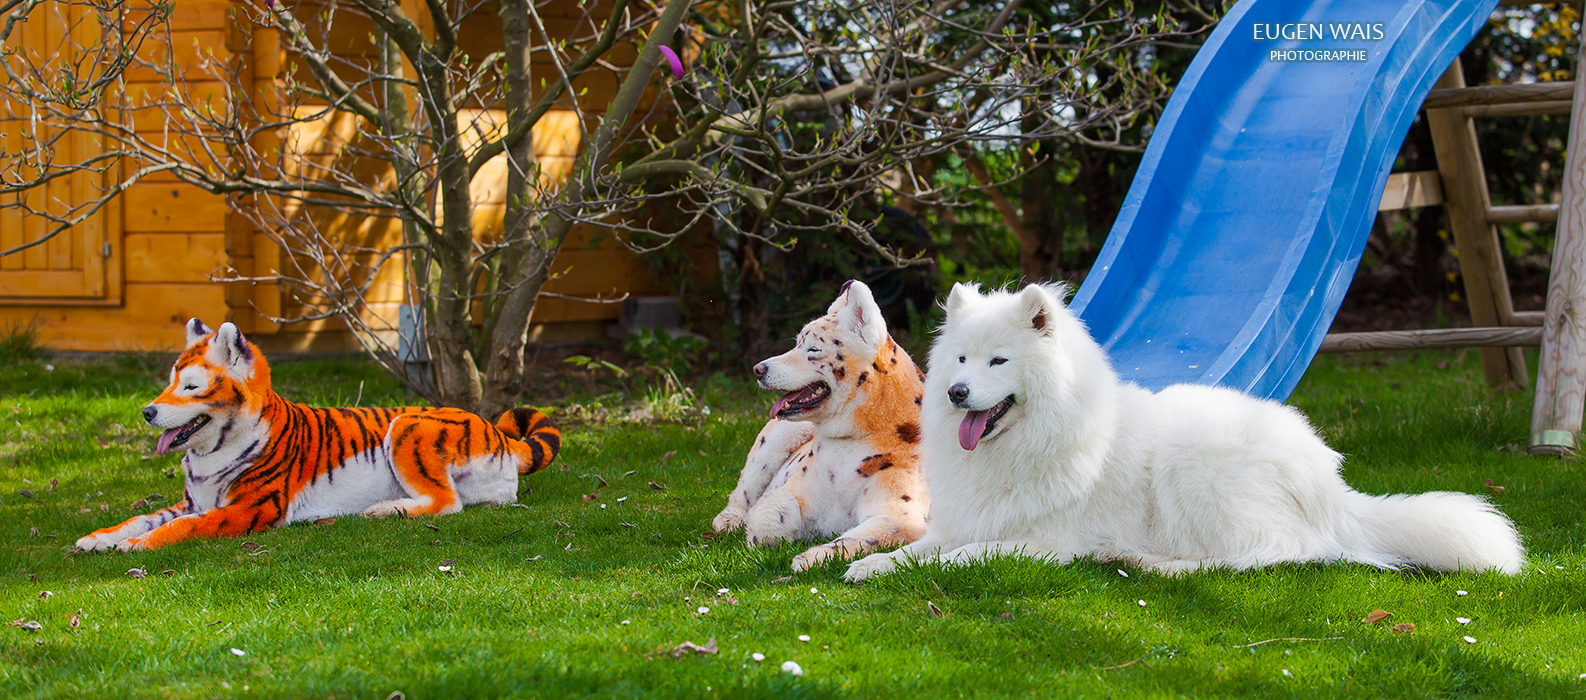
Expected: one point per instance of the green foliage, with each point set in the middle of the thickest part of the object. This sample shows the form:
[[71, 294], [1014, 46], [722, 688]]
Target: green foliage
[[594, 365], [19, 342], [561, 598], [661, 351]]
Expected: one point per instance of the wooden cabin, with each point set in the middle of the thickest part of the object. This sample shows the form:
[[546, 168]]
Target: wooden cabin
[[127, 278]]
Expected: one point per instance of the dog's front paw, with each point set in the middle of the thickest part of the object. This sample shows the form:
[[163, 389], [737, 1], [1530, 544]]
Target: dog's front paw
[[132, 544], [813, 557], [730, 519], [873, 565], [97, 543]]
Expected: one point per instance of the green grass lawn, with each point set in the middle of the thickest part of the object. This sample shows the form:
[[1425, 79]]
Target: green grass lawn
[[568, 596]]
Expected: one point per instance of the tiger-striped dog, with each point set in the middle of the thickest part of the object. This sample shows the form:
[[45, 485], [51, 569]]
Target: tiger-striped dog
[[840, 453], [255, 460]]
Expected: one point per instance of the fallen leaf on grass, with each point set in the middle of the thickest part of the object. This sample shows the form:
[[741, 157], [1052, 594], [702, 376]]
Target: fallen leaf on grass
[[34, 626], [687, 648], [137, 573], [630, 472], [83, 511], [533, 558], [33, 532], [932, 609], [666, 456], [702, 453], [1403, 627], [25, 492], [601, 481], [656, 487], [433, 528], [1376, 616], [250, 546], [53, 484], [168, 572], [45, 595], [592, 496], [17, 622], [75, 620], [709, 535], [104, 507], [628, 525], [138, 504], [325, 521], [103, 443], [1494, 489]]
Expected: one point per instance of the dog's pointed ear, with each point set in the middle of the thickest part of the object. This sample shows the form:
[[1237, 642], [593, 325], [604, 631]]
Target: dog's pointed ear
[[1036, 307], [959, 298], [231, 351], [196, 330], [841, 301], [860, 315]]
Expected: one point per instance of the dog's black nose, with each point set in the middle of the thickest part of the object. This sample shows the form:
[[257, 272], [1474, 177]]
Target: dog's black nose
[[148, 414], [760, 370], [958, 392]]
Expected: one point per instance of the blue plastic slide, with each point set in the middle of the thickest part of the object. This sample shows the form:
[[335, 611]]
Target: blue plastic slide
[[1253, 203]]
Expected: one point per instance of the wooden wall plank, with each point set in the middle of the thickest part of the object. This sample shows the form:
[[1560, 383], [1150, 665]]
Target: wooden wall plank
[[151, 318], [174, 257], [188, 49], [172, 208]]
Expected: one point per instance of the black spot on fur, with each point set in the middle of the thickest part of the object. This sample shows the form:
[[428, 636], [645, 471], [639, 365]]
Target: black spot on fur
[[909, 432], [839, 373], [918, 399], [762, 439], [862, 377], [906, 497], [837, 342], [839, 357]]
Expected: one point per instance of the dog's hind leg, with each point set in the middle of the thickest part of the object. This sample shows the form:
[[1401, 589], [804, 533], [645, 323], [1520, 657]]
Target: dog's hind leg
[[421, 460], [775, 444]]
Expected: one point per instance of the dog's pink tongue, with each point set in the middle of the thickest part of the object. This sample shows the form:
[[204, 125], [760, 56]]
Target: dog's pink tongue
[[973, 427], [786, 399], [166, 438]]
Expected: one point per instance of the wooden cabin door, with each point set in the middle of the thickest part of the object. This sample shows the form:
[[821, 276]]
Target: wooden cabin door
[[75, 265]]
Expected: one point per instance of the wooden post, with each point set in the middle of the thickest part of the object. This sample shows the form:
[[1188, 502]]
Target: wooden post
[[1561, 379], [1467, 202]]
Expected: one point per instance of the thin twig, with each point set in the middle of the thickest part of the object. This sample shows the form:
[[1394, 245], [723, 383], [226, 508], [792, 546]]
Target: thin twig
[[514, 532], [1114, 668]]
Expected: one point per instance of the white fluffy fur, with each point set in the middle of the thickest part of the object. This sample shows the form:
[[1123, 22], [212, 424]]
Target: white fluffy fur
[[1186, 478]]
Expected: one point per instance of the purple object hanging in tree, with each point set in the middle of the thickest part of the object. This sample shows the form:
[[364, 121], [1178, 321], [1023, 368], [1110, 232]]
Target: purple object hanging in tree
[[671, 57]]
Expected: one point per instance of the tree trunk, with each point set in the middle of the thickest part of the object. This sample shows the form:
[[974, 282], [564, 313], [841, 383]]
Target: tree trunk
[[1040, 229], [504, 372], [754, 302]]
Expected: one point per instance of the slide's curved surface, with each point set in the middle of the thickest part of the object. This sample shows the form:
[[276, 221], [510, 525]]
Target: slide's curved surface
[[1258, 188]]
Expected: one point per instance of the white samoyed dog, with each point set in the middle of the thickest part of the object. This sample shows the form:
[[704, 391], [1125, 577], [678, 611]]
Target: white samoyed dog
[[1032, 445]]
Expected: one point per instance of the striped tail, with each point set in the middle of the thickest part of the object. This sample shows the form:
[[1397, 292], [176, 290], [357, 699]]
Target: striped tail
[[541, 437]]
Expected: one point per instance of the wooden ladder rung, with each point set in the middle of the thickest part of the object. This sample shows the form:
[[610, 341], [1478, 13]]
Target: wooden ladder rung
[[1499, 95], [1519, 109], [1519, 213], [1500, 337], [1527, 318]]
